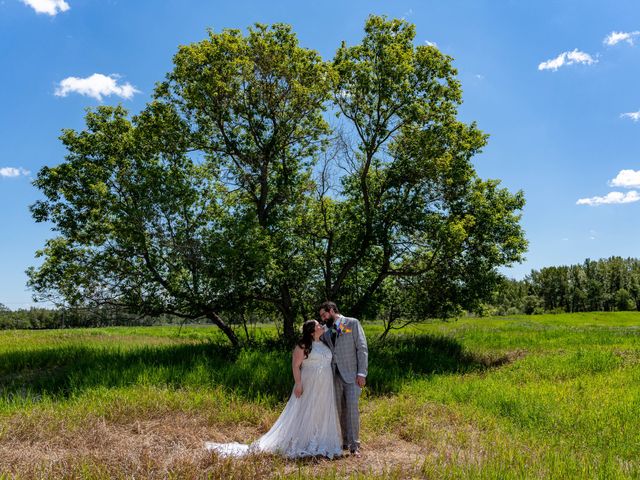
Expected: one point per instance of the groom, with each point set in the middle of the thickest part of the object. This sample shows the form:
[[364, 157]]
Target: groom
[[345, 337]]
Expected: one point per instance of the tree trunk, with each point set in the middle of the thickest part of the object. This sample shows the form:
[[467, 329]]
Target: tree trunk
[[215, 319], [289, 333], [388, 322], [288, 315], [383, 335]]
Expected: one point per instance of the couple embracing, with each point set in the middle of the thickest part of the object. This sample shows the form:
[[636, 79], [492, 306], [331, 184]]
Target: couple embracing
[[321, 418]]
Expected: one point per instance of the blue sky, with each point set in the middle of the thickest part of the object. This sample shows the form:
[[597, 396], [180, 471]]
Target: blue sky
[[554, 83]]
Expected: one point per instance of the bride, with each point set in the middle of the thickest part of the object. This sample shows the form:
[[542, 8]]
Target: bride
[[309, 424]]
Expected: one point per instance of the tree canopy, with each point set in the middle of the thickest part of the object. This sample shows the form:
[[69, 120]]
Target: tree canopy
[[234, 189]]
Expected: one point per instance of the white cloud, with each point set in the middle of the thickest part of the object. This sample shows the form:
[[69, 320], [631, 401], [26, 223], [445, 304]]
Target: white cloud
[[617, 37], [627, 179], [610, 198], [13, 172], [95, 86], [635, 116], [567, 58], [50, 7], [430, 44]]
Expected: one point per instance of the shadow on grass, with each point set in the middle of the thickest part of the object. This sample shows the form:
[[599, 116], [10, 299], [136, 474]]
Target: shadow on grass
[[261, 372]]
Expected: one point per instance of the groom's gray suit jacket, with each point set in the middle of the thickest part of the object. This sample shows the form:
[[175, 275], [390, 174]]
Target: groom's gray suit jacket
[[350, 352]]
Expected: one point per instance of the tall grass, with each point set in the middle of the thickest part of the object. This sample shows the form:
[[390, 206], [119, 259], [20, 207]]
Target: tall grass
[[33, 371], [521, 397]]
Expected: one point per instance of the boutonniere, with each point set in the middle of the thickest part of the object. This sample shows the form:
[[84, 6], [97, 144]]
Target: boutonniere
[[341, 329]]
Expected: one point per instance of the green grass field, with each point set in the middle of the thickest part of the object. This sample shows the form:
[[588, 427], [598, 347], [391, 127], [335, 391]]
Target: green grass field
[[554, 396]]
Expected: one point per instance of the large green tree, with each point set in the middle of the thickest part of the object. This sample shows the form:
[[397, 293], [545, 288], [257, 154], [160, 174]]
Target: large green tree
[[211, 200]]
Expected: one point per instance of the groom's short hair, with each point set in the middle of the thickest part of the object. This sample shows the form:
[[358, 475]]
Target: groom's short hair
[[328, 306]]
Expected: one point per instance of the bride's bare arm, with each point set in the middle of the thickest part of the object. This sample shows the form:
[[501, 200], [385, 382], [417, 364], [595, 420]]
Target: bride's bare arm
[[296, 363]]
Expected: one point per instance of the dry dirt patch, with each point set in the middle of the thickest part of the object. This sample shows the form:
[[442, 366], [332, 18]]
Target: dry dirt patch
[[172, 445]]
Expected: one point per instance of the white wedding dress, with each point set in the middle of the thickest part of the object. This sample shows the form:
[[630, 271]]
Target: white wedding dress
[[309, 425]]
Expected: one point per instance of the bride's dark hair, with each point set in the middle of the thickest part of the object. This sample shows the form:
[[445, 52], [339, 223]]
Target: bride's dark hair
[[306, 342]]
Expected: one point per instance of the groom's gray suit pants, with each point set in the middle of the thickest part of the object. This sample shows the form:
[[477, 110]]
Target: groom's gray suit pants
[[347, 395]]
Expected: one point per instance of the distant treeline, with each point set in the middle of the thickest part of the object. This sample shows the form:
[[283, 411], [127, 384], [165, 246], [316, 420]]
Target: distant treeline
[[41, 318], [605, 285]]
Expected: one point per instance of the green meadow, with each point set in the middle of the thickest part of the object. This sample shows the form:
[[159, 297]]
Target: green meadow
[[549, 396]]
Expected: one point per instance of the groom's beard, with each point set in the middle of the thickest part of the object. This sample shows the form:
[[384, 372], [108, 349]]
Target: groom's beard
[[329, 323]]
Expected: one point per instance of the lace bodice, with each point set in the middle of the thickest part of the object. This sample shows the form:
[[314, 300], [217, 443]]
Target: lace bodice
[[319, 356]]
